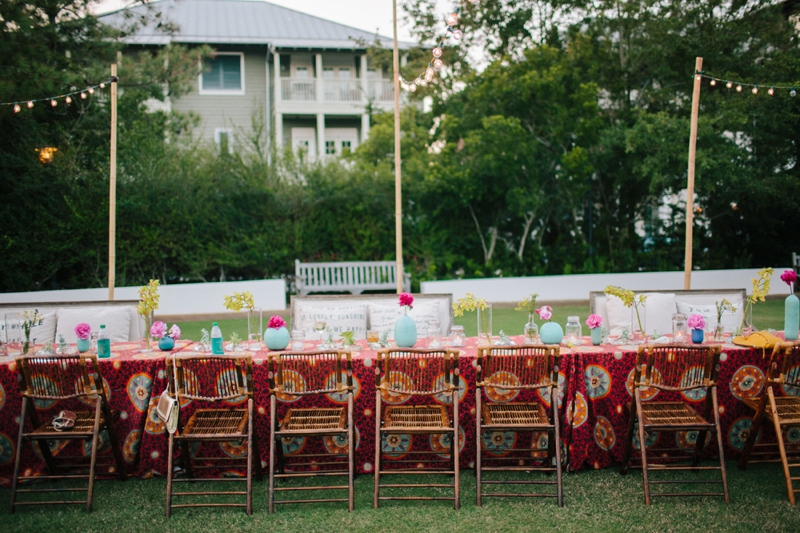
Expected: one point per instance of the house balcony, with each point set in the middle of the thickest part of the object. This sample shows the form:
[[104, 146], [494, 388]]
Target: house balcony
[[332, 95]]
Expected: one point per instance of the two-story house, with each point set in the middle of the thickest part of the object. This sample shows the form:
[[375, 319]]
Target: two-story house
[[307, 77]]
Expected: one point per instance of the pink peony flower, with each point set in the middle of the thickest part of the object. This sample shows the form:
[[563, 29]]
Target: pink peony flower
[[407, 300], [696, 322], [594, 321], [276, 322], [83, 330], [175, 332], [545, 313], [158, 329], [789, 277]]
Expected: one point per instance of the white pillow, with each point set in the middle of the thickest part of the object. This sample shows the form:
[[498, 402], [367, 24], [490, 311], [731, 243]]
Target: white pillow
[[619, 316], [43, 331], [116, 319], [730, 321], [383, 317], [659, 308], [337, 320]]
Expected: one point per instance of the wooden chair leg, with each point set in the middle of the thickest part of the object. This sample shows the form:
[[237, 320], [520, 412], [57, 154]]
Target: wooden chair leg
[[43, 448], [377, 488], [787, 475], [557, 443], [112, 437], [250, 429], [272, 451], [718, 426], [351, 456], [259, 470], [455, 452], [170, 467], [642, 447], [93, 457], [18, 456], [478, 443], [628, 445]]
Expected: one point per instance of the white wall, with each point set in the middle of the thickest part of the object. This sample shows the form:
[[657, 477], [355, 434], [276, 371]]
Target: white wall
[[182, 299], [577, 287]]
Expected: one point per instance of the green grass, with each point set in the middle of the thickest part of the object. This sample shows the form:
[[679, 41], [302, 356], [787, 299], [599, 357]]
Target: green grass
[[766, 315], [594, 501]]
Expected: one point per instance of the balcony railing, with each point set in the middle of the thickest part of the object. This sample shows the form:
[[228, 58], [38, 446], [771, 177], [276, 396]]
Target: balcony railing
[[298, 90], [381, 90], [342, 91], [305, 90]]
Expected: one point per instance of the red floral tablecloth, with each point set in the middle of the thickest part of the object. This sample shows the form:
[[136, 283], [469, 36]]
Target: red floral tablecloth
[[594, 383]]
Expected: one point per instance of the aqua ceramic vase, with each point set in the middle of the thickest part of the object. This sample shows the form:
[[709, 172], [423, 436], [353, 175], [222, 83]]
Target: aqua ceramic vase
[[551, 333], [405, 332], [166, 344], [84, 345], [791, 318], [276, 339], [597, 335]]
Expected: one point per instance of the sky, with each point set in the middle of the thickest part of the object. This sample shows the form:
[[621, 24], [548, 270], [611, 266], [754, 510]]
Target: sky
[[367, 15]]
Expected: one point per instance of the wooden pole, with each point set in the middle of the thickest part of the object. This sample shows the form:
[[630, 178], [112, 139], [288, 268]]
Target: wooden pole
[[398, 186], [112, 189], [687, 265]]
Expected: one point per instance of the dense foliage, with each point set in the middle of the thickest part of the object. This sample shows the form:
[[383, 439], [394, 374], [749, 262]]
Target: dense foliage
[[565, 152]]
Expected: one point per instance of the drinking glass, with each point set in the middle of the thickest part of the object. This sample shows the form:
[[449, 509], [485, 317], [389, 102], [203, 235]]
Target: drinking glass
[[680, 328], [320, 325], [298, 338], [435, 333], [457, 336]]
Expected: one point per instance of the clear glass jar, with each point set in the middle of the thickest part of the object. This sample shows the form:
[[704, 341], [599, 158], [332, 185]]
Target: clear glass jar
[[531, 331], [457, 336], [680, 328], [435, 334], [298, 340], [572, 331]]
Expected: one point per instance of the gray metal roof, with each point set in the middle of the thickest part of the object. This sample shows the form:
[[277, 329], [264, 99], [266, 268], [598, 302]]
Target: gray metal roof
[[242, 22]]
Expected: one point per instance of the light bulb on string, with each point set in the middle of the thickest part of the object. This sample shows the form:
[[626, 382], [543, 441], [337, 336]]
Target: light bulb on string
[[793, 92], [83, 96], [458, 35], [771, 91], [754, 90], [437, 52], [729, 84], [53, 102], [30, 104], [412, 87], [438, 63], [91, 90], [738, 88], [103, 85], [429, 74], [451, 19], [698, 77], [713, 82], [68, 99], [17, 108]]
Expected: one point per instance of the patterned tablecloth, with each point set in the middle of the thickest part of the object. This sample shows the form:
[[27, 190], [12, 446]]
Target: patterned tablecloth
[[594, 382]]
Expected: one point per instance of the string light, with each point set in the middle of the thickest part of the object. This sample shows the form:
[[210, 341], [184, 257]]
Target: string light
[[729, 84], [713, 82], [53, 100], [738, 88], [771, 91], [754, 88], [436, 63]]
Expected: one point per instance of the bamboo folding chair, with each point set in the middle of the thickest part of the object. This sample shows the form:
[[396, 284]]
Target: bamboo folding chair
[[402, 374], [782, 411], [518, 368], [215, 379], [690, 370], [323, 373], [52, 379]]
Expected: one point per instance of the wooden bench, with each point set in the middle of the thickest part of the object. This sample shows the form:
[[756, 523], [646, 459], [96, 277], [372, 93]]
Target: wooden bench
[[796, 262], [354, 277]]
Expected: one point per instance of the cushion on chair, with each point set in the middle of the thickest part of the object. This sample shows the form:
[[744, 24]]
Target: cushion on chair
[[730, 321], [659, 308], [43, 331], [619, 316], [116, 319], [337, 319]]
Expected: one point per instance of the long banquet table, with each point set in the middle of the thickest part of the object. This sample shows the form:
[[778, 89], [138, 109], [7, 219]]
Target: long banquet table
[[594, 383]]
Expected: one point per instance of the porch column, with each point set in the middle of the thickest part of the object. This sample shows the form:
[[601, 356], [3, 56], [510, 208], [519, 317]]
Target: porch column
[[320, 135], [319, 81], [278, 94], [364, 127]]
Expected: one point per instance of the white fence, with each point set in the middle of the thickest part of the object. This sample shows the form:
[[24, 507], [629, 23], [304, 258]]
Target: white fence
[[578, 286], [182, 299]]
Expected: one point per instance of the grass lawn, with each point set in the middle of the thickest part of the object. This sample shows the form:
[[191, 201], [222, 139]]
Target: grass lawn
[[600, 500], [766, 315]]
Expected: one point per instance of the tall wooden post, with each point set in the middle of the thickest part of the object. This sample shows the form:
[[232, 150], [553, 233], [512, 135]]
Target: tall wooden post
[[112, 189], [398, 185], [687, 266]]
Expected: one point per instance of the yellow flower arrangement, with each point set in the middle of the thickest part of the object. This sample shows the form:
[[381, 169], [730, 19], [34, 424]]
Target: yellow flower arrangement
[[761, 286], [470, 303], [239, 300], [629, 299], [148, 298]]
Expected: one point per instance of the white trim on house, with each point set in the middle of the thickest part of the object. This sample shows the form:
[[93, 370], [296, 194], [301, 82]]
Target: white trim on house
[[228, 133], [227, 92]]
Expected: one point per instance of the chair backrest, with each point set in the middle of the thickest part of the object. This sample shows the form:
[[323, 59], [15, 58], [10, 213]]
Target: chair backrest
[[417, 372], [60, 377], [676, 367], [310, 373], [211, 378], [517, 367], [790, 367]]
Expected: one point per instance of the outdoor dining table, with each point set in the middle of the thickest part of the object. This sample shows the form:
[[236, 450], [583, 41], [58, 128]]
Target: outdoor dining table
[[594, 388]]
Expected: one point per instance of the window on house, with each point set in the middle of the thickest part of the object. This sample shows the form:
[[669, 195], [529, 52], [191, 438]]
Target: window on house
[[224, 138], [346, 146], [301, 73], [330, 147], [225, 74]]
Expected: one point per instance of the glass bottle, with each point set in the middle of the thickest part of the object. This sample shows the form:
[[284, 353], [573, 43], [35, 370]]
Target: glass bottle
[[531, 330], [457, 336], [572, 331]]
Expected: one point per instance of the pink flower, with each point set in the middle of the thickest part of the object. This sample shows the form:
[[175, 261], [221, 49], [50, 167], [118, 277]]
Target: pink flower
[[276, 322], [175, 332], [789, 277], [594, 321], [83, 330], [406, 300], [158, 329], [545, 313], [696, 322]]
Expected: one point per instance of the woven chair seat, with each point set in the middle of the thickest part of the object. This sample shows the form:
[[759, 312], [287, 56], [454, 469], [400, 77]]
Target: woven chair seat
[[211, 422], [788, 408], [315, 419], [514, 414], [84, 425], [670, 414], [416, 417]]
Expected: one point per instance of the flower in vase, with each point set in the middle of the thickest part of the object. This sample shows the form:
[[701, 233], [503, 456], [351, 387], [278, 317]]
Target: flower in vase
[[239, 300], [83, 331], [528, 304], [406, 300], [594, 321], [158, 329], [696, 322], [789, 277], [148, 298], [545, 312], [175, 332], [276, 322]]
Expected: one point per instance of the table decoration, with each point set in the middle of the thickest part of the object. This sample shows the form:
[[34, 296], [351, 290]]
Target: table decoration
[[550, 332], [761, 286], [680, 331], [697, 324], [405, 329], [457, 336], [148, 304], [84, 333], [244, 299], [29, 318], [572, 331], [276, 336], [595, 323], [531, 330], [719, 330], [791, 313], [632, 301], [166, 341], [483, 309]]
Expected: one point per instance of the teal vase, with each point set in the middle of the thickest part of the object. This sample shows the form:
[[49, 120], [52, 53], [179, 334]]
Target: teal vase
[[791, 318], [84, 345], [276, 339], [697, 336], [166, 344], [405, 332], [597, 336], [551, 333]]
